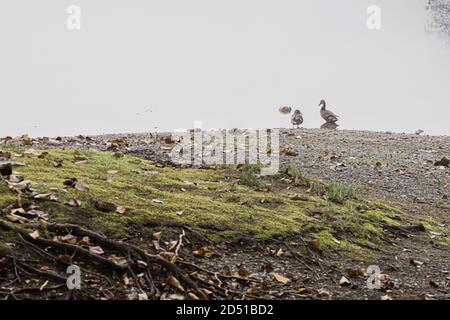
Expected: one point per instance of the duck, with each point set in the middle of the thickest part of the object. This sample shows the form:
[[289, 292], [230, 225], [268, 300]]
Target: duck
[[327, 115], [285, 110], [297, 118]]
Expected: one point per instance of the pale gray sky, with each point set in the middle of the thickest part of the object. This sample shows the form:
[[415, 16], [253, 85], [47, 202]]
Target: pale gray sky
[[228, 63]]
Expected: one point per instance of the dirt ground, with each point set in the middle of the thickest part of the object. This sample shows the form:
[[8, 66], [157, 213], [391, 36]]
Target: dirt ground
[[400, 168]]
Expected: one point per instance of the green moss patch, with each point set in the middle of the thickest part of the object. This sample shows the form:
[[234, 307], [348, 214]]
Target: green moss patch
[[221, 202]]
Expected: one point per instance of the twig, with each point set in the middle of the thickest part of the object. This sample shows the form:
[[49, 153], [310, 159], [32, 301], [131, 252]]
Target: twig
[[112, 244], [180, 243]]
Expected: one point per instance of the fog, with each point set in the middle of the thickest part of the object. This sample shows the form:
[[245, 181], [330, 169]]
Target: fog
[[137, 65]]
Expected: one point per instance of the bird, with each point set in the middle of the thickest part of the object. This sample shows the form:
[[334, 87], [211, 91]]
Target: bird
[[285, 110], [297, 118], [327, 115]]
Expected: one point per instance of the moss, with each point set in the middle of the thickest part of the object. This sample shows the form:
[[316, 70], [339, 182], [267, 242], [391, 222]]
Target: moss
[[210, 200], [135, 185], [385, 207]]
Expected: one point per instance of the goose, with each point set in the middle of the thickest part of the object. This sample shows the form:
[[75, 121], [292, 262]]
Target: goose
[[327, 115], [297, 118], [285, 110]]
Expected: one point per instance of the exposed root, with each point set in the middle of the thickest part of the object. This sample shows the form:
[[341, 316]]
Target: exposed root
[[130, 250]]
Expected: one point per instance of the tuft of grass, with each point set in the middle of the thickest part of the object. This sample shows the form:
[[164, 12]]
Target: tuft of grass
[[338, 193], [293, 171], [249, 179]]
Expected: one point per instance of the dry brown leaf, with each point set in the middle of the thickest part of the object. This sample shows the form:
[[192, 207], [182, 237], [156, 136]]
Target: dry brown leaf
[[344, 281], [42, 196], [416, 263], [316, 245], [322, 292], [82, 186], [78, 158], [176, 297], [157, 235], [35, 234], [193, 296], [354, 272], [242, 272], [280, 253], [203, 252], [16, 218], [280, 278], [175, 283], [73, 203], [121, 210]]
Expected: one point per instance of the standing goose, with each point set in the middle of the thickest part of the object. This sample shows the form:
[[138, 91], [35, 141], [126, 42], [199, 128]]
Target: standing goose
[[297, 118], [327, 115]]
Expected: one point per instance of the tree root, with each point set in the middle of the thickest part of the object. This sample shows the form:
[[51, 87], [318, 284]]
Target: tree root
[[130, 250]]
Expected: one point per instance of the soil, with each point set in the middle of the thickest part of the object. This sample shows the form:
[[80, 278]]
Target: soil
[[396, 167]]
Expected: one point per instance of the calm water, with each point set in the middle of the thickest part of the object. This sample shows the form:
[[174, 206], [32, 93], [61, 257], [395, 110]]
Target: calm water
[[138, 65]]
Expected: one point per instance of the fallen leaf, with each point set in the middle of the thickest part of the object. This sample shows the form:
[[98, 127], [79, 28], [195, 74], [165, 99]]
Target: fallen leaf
[[280, 278], [157, 235], [73, 203], [70, 182], [69, 238], [96, 250], [280, 252], [35, 234], [193, 296], [175, 283], [82, 186], [344, 281], [42, 196], [434, 284], [16, 218], [58, 163], [289, 153], [354, 272], [203, 252], [104, 206], [121, 210], [84, 242], [416, 263], [315, 244], [322, 292], [242, 272], [176, 297], [142, 296], [443, 162], [80, 158], [305, 290]]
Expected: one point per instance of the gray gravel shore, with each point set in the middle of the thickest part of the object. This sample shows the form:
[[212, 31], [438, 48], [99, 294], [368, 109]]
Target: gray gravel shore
[[383, 164]]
